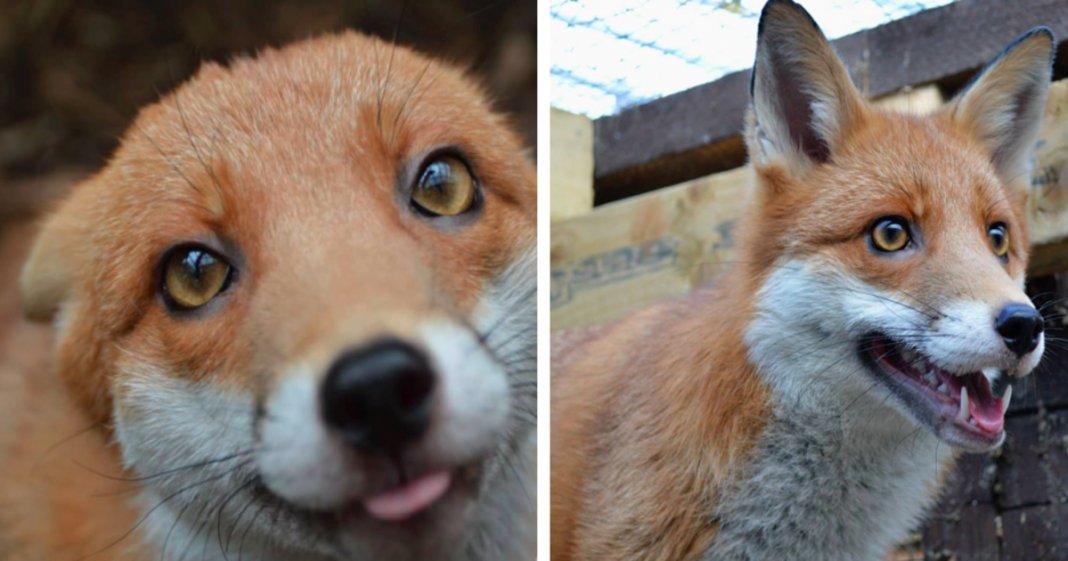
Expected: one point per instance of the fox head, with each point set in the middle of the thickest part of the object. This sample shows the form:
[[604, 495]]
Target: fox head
[[301, 298], [892, 248]]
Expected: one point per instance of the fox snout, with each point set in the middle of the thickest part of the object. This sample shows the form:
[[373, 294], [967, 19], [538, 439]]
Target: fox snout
[[377, 398], [356, 419], [1020, 327]]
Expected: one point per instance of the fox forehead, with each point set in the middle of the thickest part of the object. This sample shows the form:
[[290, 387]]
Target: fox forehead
[[307, 145], [919, 168], [343, 105]]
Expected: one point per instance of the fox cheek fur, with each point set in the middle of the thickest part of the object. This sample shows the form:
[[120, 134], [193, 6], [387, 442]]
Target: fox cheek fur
[[261, 412]]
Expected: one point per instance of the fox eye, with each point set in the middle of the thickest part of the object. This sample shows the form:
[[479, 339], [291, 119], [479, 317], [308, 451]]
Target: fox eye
[[192, 276], [999, 239], [890, 234], [444, 187]]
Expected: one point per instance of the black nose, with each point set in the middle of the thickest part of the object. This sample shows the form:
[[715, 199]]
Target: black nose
[[1020, 326], [378, 397]]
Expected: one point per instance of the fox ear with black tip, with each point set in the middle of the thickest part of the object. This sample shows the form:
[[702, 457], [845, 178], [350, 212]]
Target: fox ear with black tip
[[803, 101], [1004, 104]]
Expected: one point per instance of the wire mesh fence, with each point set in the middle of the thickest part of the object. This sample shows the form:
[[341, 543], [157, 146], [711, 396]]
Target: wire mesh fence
[[608, 55]]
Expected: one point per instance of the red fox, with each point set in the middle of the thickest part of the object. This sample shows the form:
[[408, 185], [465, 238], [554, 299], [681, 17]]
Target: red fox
[[293, 319], [807, 406]]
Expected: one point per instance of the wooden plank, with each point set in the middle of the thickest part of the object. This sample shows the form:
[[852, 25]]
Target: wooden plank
[[571, 165], [1035, 460], [627, 254], [730, 153], [624, 255], [971, 483], [922, 99], [969, 534], [1048, 205], [689, 134], [688, 130], [1037, 533], [1046, 388]]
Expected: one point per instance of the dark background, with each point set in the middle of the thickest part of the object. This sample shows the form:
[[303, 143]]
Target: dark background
[[73, 74]]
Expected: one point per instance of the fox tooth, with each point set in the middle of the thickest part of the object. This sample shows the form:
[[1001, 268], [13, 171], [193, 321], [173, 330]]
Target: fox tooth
[[1006, 399], [942, 389], [930, 378], [963, 415]]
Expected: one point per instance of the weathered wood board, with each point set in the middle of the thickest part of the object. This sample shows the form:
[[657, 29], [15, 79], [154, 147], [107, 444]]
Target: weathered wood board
[[627, 254], [571, 165]]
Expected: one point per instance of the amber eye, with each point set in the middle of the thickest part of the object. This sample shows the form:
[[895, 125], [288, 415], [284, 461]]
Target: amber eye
[[890, 234], [193, 275], [445, 187], [999, 239]]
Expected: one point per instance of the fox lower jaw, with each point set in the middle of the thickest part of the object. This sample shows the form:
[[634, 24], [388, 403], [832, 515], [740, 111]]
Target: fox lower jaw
[[880, 361]]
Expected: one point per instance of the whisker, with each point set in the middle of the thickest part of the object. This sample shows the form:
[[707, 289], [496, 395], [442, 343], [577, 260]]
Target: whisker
[[160, 504]]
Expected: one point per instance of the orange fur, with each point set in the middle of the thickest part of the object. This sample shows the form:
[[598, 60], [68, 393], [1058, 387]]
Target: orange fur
[[654, 416], [651, 418], [636, 460], [288, 153]]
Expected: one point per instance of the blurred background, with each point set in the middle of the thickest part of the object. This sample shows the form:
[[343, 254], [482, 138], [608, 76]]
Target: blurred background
[[75, 73]]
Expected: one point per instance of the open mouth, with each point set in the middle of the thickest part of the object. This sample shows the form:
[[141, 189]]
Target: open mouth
[[968, 404]]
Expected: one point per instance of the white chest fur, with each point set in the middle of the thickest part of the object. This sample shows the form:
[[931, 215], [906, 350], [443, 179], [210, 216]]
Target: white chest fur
[[817, 492]]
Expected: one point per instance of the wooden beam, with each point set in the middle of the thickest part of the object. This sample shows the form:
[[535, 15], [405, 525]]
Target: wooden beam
[[571, 165], [696, 132], [627, 254], [923, 99]]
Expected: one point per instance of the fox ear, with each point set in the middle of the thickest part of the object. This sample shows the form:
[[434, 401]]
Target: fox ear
[[46, 276], [802, 97], [1005, 102]]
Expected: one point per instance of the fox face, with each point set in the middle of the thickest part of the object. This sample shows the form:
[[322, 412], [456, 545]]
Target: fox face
[[301, 296], [892, 248]]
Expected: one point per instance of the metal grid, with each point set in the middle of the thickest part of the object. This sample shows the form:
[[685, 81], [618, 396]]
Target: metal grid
[[610, 54]]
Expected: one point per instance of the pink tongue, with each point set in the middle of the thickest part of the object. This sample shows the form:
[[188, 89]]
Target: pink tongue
[[403, 502], [986, 410]]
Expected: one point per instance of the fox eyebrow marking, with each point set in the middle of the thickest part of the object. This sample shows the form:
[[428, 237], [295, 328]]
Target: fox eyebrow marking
[[219, 198], [201, 195]]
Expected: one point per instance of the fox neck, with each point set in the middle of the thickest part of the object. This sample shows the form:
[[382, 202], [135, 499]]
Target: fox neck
[[873, 491], [832, 444]]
